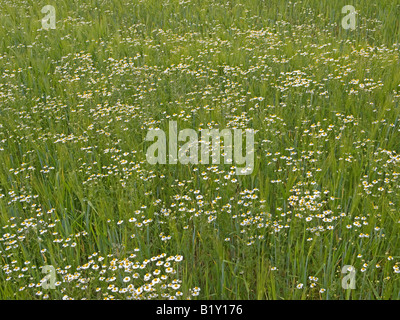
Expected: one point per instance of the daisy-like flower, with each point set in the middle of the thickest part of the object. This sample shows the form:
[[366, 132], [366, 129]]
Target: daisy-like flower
[[176, 286], [299, 286], [156, 272], [169, 270], [147, 277]]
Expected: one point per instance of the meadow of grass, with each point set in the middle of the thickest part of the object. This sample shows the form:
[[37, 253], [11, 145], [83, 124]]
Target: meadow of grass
[[77, 193]]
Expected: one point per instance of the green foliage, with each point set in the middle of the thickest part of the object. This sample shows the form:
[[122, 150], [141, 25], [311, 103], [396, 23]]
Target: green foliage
[[76, 103]]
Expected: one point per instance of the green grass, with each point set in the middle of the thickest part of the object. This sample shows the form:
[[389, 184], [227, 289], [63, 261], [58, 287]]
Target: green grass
[[77, 102]]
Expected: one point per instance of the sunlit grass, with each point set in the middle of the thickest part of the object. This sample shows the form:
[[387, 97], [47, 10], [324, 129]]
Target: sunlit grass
[[77, 193]]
